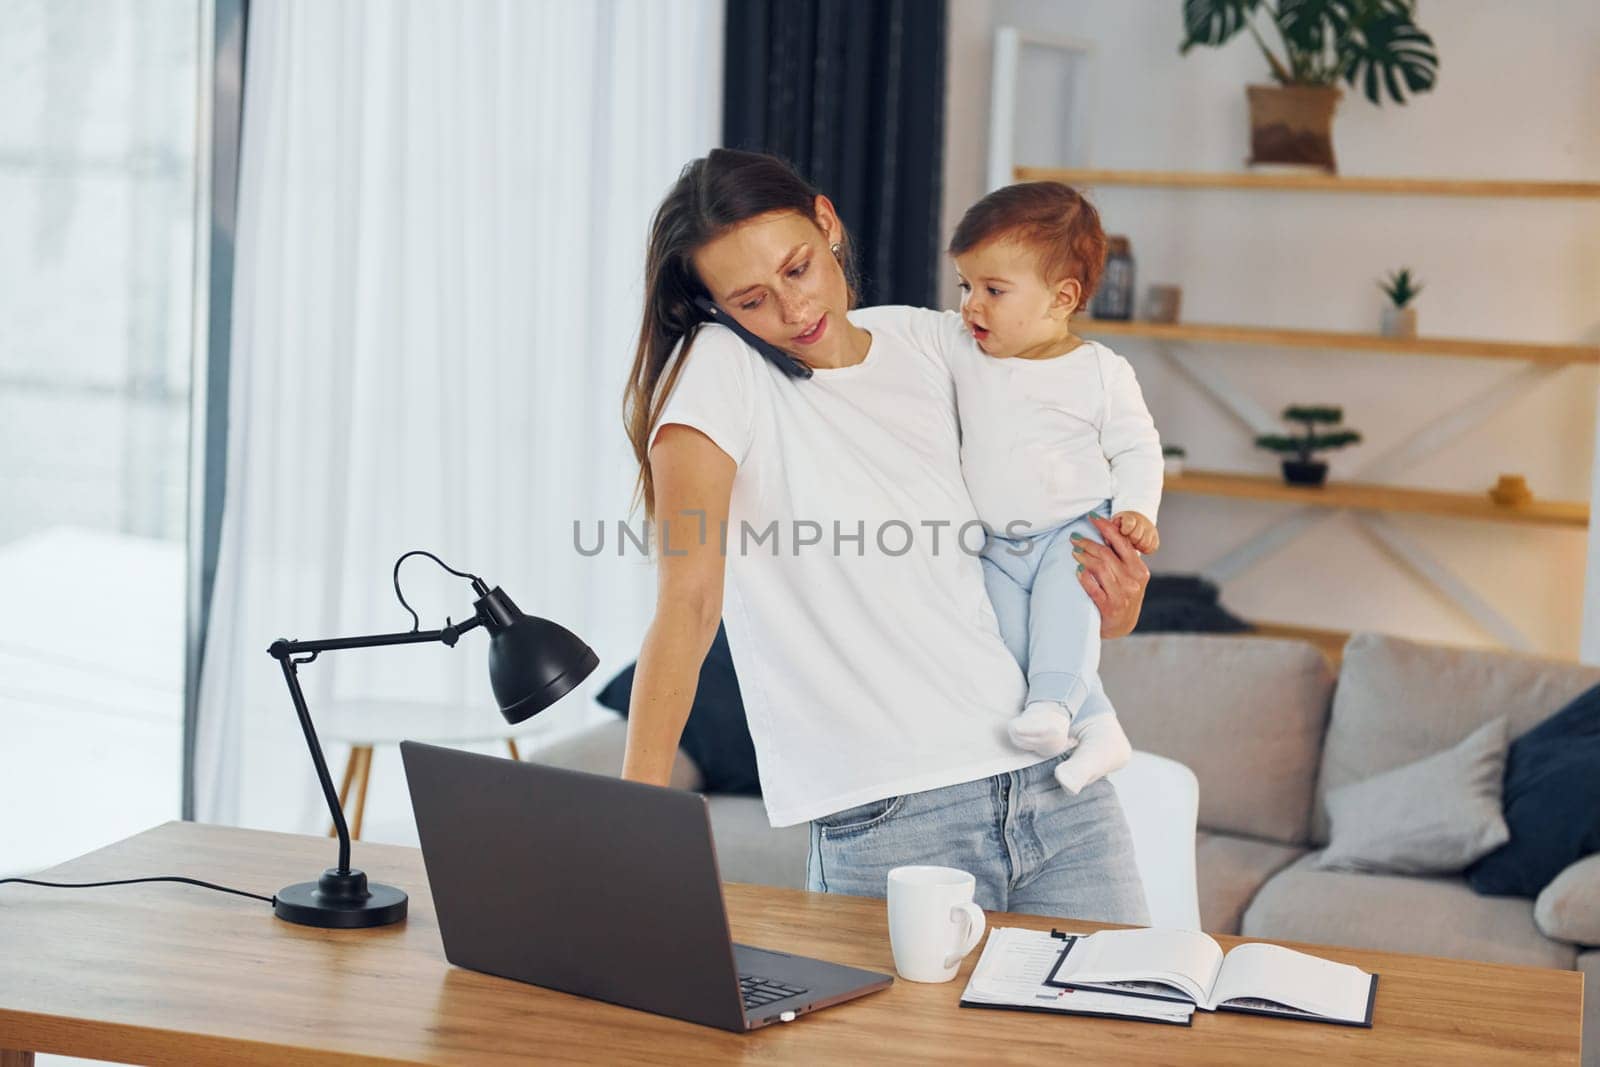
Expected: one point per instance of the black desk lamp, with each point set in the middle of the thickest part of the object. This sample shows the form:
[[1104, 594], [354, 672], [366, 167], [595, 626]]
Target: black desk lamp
[[532, 664]]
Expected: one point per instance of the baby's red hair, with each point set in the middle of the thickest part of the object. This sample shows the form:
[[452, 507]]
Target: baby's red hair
[[1054, 220]]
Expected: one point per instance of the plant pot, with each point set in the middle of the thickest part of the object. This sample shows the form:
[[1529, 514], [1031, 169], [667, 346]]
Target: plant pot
[[1292, 124], [1511, 491], [1173, 465], [1399, 322], [1298, 472]]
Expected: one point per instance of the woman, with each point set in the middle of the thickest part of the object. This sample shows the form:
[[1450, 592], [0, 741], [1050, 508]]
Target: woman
[[826, 522]]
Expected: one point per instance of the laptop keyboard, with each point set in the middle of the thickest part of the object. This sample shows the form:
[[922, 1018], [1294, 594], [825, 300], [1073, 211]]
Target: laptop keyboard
[[759, 992]]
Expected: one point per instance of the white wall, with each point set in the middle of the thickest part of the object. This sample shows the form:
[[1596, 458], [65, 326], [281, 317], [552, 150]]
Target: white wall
[[1515, 99]]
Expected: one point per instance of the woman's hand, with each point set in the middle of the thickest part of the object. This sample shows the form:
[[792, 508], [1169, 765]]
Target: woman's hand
[[1114, 576]]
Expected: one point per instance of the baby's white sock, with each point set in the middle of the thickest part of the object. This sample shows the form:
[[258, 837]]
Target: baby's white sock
[[1043, 727], [1102, 747]]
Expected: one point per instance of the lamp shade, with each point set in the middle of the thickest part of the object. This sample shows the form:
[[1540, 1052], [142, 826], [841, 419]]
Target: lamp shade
[[533, 662]]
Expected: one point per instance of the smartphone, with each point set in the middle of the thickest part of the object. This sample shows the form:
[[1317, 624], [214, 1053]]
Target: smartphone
[[791, 366]]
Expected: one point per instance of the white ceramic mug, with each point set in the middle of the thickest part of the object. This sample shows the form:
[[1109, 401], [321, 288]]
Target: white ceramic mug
[[933, 922]]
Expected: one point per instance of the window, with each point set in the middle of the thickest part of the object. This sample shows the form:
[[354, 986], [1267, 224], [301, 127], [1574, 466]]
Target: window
[[98, 121]]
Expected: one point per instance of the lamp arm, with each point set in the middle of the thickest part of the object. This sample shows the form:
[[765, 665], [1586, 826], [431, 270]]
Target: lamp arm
[[449, 635], [284, 651]]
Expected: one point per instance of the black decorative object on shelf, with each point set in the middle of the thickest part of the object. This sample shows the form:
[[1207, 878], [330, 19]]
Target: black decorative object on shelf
[[532, 664], [1114, 297]]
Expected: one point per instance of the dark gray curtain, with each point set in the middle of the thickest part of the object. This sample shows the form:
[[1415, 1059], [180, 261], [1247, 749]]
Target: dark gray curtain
[[231, 19], [852, 93]]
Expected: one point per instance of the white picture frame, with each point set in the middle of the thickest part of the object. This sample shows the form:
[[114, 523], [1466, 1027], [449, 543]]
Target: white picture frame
[[1054, 78]]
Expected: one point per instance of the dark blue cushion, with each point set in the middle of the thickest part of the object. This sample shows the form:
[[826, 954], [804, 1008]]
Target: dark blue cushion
[[1185, 603], [1552, 802], [716, 736]]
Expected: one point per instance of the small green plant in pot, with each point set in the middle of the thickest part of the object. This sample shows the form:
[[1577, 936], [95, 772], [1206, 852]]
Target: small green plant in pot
[[1172, 457], [1302, 469], [1373, 45], [1399, 317]]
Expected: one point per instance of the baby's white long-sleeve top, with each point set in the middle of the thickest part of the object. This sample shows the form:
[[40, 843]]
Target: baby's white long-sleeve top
[[1044, 441]]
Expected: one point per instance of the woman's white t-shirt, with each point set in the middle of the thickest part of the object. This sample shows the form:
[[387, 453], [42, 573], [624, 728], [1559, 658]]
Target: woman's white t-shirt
[[868, 655]]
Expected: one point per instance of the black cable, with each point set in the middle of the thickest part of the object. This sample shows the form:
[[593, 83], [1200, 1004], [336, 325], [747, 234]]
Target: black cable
[[134, 881], [416, 623]]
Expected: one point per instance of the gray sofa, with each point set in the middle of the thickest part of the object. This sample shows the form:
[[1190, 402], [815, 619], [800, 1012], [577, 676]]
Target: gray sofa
[[1267, 732]]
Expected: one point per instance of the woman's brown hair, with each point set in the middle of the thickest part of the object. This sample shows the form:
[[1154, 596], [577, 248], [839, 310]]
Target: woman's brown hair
[[711, 196]]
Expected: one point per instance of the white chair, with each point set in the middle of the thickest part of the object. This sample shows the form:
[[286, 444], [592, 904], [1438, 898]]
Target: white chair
[[1161, 800], [364, 724]]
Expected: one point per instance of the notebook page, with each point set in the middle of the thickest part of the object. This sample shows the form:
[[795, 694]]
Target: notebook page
[[1012, 968], [1282, 975], [1182, 958]]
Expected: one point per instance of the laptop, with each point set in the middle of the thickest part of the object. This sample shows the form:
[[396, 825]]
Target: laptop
[[600, 887]]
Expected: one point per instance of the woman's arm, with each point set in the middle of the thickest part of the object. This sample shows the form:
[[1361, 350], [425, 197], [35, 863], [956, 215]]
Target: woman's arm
[[1114, 576], [693, 484]]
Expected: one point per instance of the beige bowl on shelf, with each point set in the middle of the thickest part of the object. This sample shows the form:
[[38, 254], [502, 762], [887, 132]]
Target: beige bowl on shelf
[[1511, 491]]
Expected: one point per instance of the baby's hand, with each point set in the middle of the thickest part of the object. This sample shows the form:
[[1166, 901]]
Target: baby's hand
[[1138, 529]]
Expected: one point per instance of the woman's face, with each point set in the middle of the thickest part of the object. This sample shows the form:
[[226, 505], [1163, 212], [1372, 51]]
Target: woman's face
[[776, 275]]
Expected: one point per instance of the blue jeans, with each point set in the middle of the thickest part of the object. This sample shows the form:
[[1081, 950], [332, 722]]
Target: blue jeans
[[1032, 846], [1046, 619]]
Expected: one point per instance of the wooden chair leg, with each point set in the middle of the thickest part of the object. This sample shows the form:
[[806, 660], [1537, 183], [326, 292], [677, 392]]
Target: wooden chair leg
[[512, 745], [363, 773], [344, 787], [15, 1058]]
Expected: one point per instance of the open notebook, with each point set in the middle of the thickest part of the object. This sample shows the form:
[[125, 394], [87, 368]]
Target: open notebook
[[1010, 974], [1188, 967]]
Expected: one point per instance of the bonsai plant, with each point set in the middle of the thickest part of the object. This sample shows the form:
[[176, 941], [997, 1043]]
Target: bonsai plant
[[1399, 320], [1172, 458], [1302, 469], [1373, 44]]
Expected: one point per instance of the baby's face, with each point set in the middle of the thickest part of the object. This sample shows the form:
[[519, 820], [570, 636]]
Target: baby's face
[[1008, 307]]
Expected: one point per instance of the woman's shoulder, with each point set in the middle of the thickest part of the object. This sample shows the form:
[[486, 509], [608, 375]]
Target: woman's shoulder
[[905, 317], [938, 335], [716, 339], [713, 360], [716, 350]]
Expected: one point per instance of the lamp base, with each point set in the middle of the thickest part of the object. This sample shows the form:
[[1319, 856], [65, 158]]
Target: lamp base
[[341, 900]]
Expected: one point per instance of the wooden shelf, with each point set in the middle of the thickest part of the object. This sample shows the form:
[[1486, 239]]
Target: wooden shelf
[[1215, 333], [1365, 497], [1315, 182]]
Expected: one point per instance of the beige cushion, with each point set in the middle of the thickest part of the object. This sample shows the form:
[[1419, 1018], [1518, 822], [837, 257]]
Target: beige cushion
[[1246, 714], [1230, 870], [1433, 816], [1399, 701], [598, 749], [1569, 907], [1438, 916]]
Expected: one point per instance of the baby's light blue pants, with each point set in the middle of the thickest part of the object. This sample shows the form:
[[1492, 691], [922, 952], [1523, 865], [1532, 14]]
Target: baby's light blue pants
[[1046, 619]]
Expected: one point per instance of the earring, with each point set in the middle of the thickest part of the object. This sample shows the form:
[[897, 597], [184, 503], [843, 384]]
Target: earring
[[837, 249]]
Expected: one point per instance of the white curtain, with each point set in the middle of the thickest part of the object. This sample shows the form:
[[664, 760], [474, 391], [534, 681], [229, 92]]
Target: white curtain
[[443, 210]]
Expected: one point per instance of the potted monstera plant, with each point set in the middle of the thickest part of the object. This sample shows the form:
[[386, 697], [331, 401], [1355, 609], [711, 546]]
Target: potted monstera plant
[[1299, 466], [1373, 45]]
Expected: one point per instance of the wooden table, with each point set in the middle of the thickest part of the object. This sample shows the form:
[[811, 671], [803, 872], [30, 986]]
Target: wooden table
[[168, 973]]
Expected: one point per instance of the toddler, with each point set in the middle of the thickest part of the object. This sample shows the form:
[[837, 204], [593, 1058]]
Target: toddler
[[1053, 430]]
